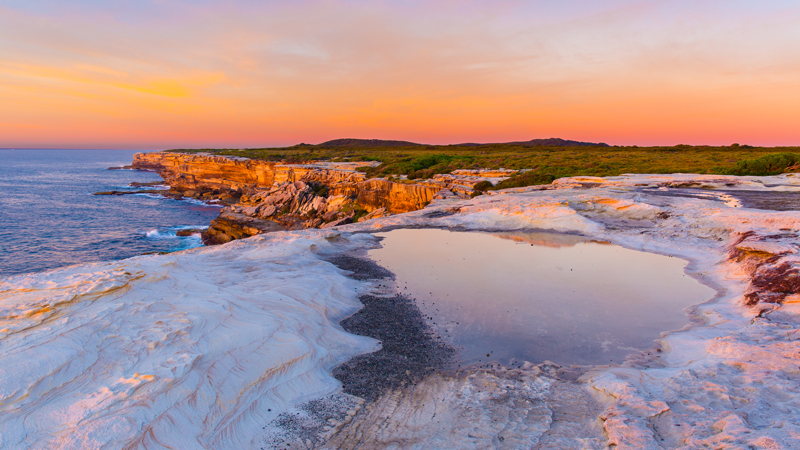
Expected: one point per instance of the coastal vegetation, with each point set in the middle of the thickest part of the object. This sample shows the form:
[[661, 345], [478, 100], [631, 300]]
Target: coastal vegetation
[[769, 164], [542, 163]]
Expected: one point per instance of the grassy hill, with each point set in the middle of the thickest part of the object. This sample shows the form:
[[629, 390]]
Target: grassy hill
[[548, 158]]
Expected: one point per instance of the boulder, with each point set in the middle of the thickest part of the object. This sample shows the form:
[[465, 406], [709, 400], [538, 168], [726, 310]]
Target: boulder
[[343, 221], [330, 215], [378, 213], [266, 210]]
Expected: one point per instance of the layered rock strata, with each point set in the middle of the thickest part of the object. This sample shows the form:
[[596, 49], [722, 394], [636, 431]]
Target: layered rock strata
[[263, 196]]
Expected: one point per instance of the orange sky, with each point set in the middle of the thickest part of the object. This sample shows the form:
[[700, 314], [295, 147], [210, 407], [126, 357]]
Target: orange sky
[[247, 73]]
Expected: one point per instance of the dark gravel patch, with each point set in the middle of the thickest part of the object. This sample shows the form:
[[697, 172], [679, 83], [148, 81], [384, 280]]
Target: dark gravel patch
[[410, 350], [306, 425], [361, 269]]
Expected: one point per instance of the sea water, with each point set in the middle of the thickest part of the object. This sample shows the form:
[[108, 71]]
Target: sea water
[[49, 217], [515, 297]]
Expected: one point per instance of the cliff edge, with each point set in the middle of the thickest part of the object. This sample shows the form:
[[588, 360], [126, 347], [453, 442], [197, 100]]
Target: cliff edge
[[263, 196]]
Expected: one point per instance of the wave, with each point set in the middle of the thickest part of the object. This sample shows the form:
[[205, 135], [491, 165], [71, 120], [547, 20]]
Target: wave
[[180, 242], [156, 187], [212, 203]]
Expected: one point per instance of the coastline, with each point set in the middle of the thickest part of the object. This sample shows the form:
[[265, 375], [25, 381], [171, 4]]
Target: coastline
[[742, 347], [262, 197], [50, 219]]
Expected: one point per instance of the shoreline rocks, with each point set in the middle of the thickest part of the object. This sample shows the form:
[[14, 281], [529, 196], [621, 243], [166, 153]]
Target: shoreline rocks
[[144, 191], [263, 196]]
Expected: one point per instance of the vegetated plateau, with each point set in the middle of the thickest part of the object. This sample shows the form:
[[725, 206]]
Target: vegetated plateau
[[539, 161]]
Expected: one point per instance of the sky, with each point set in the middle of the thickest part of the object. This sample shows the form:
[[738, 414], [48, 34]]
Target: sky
[[154, 74]]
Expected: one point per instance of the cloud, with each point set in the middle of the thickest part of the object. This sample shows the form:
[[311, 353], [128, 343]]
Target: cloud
[[262, 73]]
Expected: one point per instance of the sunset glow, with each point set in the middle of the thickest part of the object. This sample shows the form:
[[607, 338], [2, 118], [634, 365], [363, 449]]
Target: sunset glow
[[243, 73]]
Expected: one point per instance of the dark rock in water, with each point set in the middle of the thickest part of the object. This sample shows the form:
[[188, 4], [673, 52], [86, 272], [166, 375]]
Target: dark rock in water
[[147, 184], [135, 167], [188, 232], [146, 191]]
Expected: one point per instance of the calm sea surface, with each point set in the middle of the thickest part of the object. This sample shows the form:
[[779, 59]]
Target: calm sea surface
[[49, 217]]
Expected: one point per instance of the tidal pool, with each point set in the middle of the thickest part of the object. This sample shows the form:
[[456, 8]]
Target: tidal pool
[[539, 296]]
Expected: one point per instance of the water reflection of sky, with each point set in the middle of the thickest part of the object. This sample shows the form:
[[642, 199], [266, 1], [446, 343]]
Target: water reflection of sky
[[539, 296]]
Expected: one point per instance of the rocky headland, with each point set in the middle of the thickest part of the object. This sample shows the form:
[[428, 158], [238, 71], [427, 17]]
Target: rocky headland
[[237, 346], [264, 196]]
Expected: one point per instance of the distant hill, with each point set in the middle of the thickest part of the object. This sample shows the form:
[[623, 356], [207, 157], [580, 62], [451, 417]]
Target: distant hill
[[557, 142], [371, 143], [551, 142], [360, 143]]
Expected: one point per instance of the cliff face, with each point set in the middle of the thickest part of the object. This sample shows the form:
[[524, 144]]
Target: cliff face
[[186, 172], [292, 195], [193, 174], [395, 197]]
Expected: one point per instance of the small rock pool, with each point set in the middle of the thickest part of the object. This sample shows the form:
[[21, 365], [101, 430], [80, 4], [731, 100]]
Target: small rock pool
[[532, 296]]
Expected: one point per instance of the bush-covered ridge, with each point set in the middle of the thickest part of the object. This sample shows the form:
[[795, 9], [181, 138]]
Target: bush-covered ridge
[[546, 162]]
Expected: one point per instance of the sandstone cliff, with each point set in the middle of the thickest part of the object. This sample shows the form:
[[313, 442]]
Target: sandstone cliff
[[290, 195]]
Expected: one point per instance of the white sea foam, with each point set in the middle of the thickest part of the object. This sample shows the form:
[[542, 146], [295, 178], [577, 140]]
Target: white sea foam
[[172, 232], [202, 202], [193, 201], [159, 187]]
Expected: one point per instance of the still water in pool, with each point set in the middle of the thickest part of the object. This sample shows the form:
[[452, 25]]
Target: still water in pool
[[539, 296]]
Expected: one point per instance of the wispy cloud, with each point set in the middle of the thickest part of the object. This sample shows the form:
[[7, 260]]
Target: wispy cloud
[[244, 73]]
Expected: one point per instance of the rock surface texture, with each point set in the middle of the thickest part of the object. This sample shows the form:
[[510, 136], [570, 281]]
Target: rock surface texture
[[218, 347], [291, 195]]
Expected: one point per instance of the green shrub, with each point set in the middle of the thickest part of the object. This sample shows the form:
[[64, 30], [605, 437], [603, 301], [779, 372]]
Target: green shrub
[[423, 173], [529, 178], [421, 161], [319, 189], [483, 186], [772, 164], [423, 166]]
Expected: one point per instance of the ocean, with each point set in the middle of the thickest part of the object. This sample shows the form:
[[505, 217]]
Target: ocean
[[49, 217]]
